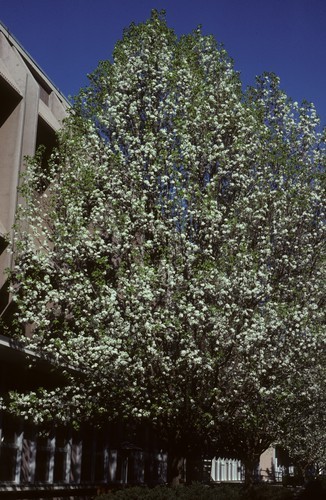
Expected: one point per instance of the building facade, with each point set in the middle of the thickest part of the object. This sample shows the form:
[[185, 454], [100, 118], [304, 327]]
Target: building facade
[[31, 112]]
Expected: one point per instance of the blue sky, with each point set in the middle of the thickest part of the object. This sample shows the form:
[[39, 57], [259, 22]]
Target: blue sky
[[67, 38]]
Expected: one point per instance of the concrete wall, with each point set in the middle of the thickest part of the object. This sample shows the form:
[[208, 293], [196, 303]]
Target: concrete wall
[[31, 112]]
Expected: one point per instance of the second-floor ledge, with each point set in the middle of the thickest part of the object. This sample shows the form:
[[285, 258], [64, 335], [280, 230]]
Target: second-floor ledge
[[14, 351], [46, 114]]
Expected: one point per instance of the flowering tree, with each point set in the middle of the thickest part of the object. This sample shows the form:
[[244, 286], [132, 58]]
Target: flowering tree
[[170, 258], [279, 241], [306, 441]]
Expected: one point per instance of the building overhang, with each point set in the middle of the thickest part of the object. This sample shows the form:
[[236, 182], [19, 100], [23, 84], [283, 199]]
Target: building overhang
[[5, 74], [13, 352]]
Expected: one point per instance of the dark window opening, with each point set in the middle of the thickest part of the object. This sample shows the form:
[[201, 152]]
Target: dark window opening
[[9, 100], [3, 244], [99, 464], [60, 458], [8, 451], [87, 462], [47, 139], [43, 453], [4, 296]]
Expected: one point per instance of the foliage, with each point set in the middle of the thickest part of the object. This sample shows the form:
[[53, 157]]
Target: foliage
[[315, 489], [267, 492], [174, 266], [201, 492], [193, 492], [307, 440]]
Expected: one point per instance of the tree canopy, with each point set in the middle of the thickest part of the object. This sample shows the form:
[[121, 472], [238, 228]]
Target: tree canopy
[[171, 257]]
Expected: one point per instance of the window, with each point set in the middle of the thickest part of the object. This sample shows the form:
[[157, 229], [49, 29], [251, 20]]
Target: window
[[60, 458], [8, 451], [9, 100], [87, 462], [99, 461], [45, 137], [43, 459]]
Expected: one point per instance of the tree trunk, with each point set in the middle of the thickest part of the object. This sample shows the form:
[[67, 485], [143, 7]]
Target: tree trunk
[[175, 470], [194, 468], [251, 470]]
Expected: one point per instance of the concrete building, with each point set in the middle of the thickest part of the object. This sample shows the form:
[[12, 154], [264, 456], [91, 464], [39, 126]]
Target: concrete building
[[31, 111]]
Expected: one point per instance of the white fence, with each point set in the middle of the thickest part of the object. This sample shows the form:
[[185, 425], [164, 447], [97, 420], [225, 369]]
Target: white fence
[[226, 469]]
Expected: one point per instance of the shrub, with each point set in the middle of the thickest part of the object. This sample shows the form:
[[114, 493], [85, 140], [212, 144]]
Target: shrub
[[314, 490], [267, 492], [193, 492], [204, 492], [140, 492]]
